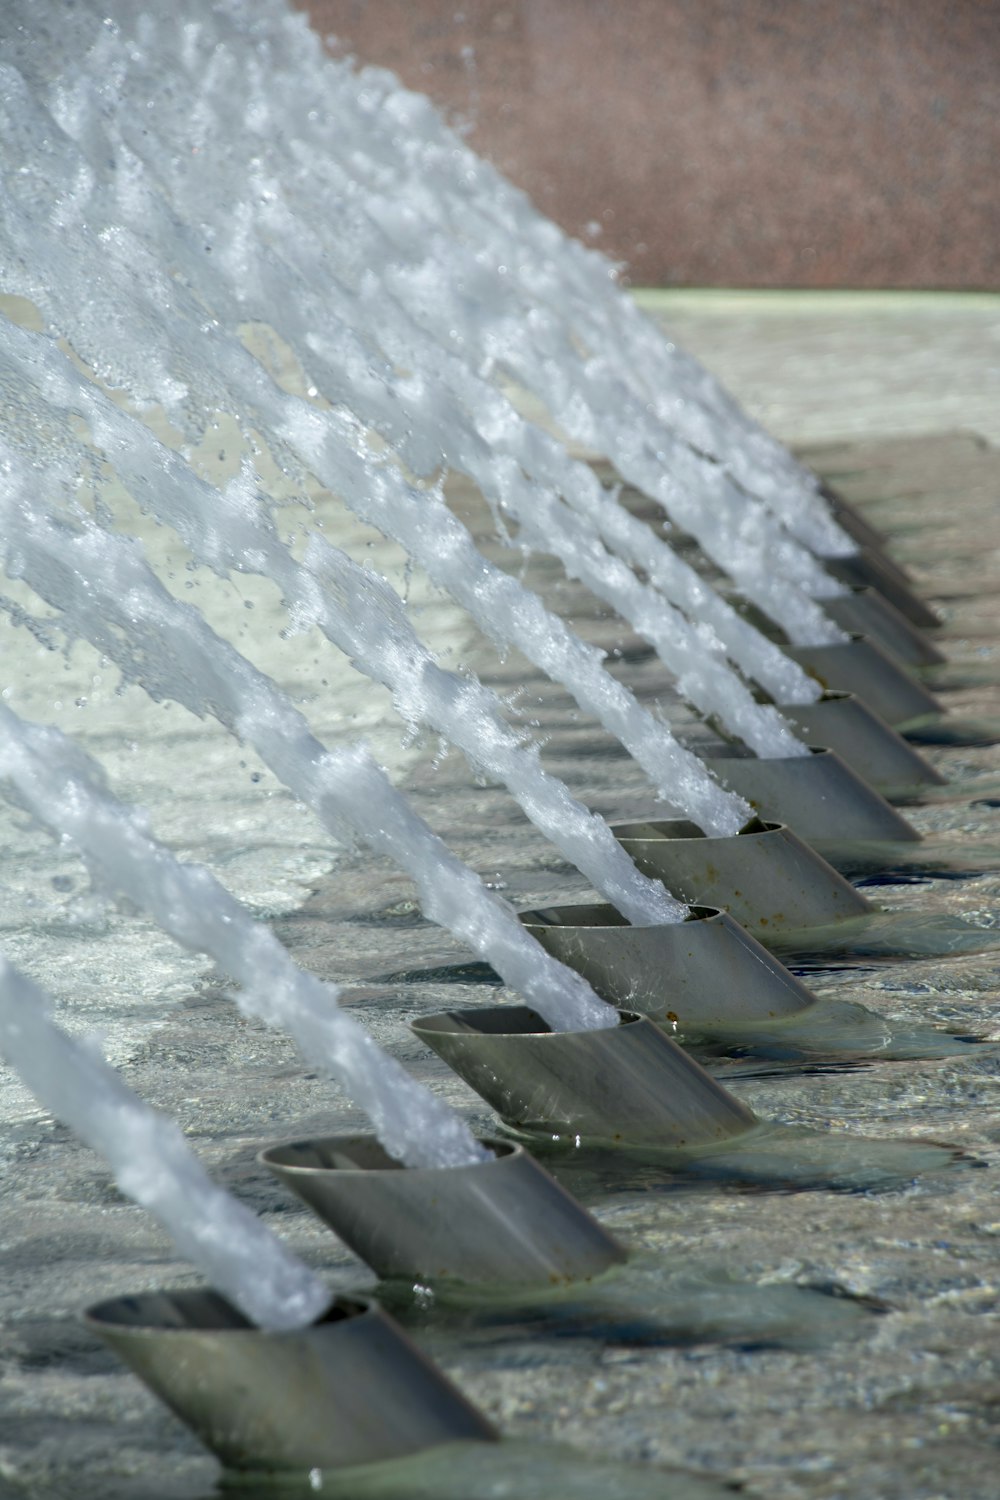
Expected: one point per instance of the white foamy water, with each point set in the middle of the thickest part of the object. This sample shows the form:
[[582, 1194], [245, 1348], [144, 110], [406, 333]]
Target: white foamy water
[[331, 297], [324, 305], [105, 592], [355, 609], [193, 366], [403, 136], [153, 1164], [595, 408], [167, 194], [63, 789], [483, 300], [161, 320]]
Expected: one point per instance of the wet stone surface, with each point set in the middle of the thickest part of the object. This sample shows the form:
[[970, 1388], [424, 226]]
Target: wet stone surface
[[818, 1318]]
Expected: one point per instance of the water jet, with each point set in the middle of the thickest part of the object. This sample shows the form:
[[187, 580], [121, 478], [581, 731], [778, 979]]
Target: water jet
[[282, 116], [265, 1379]]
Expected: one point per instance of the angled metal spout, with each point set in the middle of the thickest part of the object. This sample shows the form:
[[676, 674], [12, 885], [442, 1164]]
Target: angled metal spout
[[859, 666], [864, 611], [708, 982], [350, 1389], [625, 1086], [765, 877], [868, 569], [865, 743], [504, 1222], [705, 972], [854, 523], [818, 796]]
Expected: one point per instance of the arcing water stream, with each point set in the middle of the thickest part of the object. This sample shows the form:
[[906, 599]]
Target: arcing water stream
[[178, 190], [400, 139], [224, 376], [62, 788], [127, 231], [354, 609], [106, 592], [276, 279], [475, 305], [154, 1164]]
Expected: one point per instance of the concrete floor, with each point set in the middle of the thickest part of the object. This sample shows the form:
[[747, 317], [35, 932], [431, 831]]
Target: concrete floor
[[819, 365]]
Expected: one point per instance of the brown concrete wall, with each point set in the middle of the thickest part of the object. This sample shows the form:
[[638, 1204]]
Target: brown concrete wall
[[726, 142]]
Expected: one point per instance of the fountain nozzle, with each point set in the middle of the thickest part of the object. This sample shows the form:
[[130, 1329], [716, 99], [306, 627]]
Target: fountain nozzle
[[706, 972], [628, 1085], [504, 1221], [765, 877], [350, 1389]]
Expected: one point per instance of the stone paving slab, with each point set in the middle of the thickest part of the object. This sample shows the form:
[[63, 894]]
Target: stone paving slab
[[820, 366]]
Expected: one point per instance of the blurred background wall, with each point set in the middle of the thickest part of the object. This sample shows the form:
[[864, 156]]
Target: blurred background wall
[[808, 143]]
